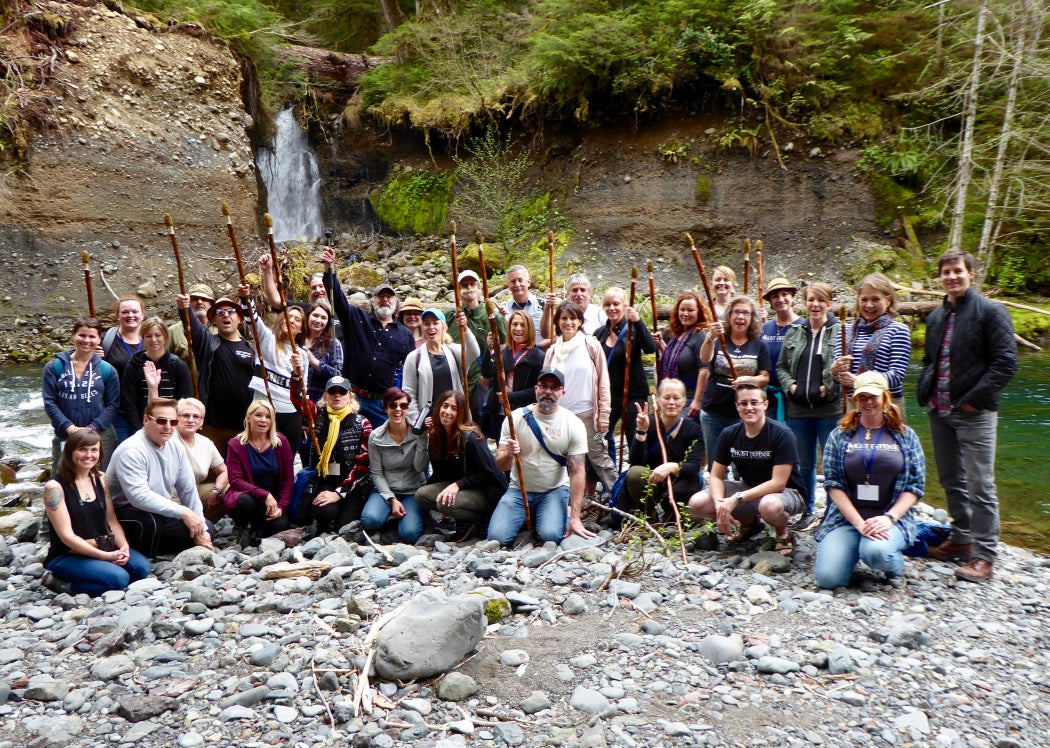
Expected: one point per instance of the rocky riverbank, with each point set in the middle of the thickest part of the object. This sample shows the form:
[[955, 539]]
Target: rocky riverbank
[[605, 644]]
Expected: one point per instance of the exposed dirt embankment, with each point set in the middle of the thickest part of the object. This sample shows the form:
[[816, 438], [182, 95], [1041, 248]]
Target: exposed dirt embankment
[[143, 121]]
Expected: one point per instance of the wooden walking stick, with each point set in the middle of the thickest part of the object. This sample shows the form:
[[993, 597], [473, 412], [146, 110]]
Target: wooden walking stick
[[758, 267], [251, 301], [484, 273], [747, 264], [670, 487], [627, 365], [501, 383], [182, 290], [462, 328], [842, 345], [710, 300], [550, 275], [652, 307], [304, 405], [86, 259]]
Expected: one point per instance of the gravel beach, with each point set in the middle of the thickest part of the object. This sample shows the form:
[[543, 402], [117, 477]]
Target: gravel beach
[[601, 643]]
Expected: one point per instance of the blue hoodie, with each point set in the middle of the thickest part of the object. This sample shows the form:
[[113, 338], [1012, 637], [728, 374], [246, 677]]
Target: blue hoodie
[[92, 400]]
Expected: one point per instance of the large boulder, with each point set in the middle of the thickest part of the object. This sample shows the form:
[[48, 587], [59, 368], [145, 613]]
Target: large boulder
[[432, 635]]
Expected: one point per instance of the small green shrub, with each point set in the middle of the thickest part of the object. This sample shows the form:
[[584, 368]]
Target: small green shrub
[[703, 189]]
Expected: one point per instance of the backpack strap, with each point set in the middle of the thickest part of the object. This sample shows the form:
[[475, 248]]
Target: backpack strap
[[530, 419], [108, 338]]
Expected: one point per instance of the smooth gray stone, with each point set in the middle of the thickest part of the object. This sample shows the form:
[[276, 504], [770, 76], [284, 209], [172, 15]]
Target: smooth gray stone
[[113, 667], [513, 657], [196, 556], [145, 586], [573, 605], [778, 563], [247, 630], [677, 729], [647, 602], [536, 701], [588, 700], [265, 655], [136, 617], [207, 596], [56, 727], [363, 607], [77, 698], [509, 733], [575, 543], [419, 706], [283, 682], [721, 649], [11, 654], [623, 588], [199, 626], [328, 586], [251, 697], [916, 720], [839, 661], [285, 714], [539, 556], [46, 688], [431, 635], [456, 687], [778, 665], [850, 697], [191, 740], [138, 708], [237, 712]]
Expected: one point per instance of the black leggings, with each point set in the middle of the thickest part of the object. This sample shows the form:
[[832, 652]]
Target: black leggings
[[154, 534], [251, 513]]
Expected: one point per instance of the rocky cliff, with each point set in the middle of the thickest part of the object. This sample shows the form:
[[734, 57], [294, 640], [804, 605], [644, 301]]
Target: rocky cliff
[[143, 120]]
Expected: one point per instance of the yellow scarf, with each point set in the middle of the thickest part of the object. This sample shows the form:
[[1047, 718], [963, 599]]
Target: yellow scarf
[[334, 419]]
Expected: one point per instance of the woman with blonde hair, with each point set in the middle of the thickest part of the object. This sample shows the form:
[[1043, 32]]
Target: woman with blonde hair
[[874, 473], [434, 367], [261, 472], [612, 336], [875, 341], [122, 342], [209, 467], [723, 284]]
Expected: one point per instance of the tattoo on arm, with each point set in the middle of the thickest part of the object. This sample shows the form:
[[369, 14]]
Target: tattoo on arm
[[575, 464], [53, 497]]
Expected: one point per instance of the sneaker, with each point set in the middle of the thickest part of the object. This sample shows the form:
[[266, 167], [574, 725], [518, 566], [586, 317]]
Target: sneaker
[[808, 521]]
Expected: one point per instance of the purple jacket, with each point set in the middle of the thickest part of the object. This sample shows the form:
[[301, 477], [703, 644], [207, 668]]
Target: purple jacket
[[241, 475]]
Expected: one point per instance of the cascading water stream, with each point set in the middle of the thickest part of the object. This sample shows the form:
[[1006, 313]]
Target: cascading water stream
[[293, 182]]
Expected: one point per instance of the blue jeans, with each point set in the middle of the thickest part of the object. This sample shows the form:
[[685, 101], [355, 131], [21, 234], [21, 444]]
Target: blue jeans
[[372, 409], [840, 550], [964, 450], [93, 576], [550, 515], [808, 431], [377, 512], [713, 425]]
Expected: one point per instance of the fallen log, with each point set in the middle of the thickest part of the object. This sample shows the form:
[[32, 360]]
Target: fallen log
[[333, 70]]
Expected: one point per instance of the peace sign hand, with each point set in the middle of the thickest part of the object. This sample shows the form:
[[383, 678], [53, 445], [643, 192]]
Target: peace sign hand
[[642, 421]]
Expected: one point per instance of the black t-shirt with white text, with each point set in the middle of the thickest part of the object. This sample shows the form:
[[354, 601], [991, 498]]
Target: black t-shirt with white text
[[754, 459], [228, 393], [877, 462]]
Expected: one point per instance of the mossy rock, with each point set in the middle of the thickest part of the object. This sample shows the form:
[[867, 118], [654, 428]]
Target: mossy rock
[[497, 259], [360, 276], [1030, 325], [896, 264], [415, 202], [497, 610]]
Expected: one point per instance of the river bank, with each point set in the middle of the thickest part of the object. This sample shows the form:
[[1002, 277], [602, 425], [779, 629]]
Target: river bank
[[719, 651]]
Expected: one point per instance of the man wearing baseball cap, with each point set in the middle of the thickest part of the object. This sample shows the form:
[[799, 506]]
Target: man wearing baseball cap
[[478, 323], [374, 344], [552, 447], [201, 299]]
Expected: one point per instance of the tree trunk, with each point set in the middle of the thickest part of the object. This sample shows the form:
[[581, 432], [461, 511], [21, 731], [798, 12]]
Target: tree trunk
[[986, 247], [964, 171], [331, 70]]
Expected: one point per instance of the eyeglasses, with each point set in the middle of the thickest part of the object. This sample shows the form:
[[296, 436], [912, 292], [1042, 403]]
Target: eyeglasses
[[749, 403], [225, 311], [191, 416], [163, 421], [398, 406], [548, 387], [740, 313]]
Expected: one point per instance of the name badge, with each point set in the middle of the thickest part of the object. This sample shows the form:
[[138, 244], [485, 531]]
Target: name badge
[[334, 468], [867, 494]]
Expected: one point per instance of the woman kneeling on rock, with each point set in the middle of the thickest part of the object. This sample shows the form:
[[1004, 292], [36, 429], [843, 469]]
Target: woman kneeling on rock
[[465, 484], [261, 473], [874, 472], [88, 547]]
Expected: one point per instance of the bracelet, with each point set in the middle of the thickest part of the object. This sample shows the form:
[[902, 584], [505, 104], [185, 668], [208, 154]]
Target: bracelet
[[893, 520]]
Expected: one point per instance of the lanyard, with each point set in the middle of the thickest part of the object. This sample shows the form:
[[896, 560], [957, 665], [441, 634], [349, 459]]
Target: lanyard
[[869, 461]]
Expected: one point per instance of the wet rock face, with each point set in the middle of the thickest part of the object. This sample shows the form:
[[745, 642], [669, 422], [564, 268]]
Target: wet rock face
[[144, 122]]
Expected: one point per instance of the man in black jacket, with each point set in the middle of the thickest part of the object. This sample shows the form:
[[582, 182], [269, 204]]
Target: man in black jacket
[[970, 356]]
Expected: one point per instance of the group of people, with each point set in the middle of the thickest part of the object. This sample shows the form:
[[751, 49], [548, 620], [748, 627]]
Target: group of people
[[375, 404]]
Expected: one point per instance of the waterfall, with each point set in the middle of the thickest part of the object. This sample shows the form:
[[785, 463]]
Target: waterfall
[[293, 182]]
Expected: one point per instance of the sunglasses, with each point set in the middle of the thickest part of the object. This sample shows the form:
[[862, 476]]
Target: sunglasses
[[163, 421], [225, 312], [398, 406], [338, 392]]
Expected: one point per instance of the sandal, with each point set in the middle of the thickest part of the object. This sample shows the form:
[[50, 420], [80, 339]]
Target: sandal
[[785, 546], [745, 532]]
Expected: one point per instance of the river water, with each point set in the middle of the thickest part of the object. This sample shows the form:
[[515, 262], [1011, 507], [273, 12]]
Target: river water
[[1021, 468]]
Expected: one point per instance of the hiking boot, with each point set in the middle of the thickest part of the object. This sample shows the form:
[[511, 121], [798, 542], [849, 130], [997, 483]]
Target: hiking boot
[[808, 521], [978, 570], [949, 551]]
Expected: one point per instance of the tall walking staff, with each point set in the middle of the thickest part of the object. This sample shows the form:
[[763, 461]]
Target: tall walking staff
[[501, 384], [652, 307], [86, 259], [251, 301], [550, 275], [747, 264], [842, 345], [182, 290], [304, 405], [670, 488], [462, 328], [627, 365], [758, 268], [710, 301], [484, 273]]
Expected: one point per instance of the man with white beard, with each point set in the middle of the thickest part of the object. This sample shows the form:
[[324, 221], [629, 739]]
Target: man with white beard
[[374, 345]]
